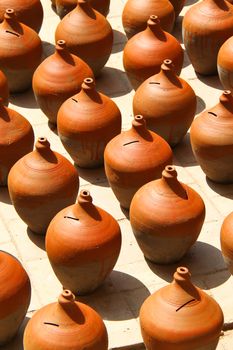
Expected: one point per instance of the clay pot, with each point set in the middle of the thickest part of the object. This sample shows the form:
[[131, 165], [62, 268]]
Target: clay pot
[[15, 295], [167, 102], [17, 139], [4, 89], [57, 78], [178, 6], [20, 52], [145, 52], [206, 25], [86, 123], [87, 34], [65, 6], [41, 184], [166, 217], [224, 64], [212, 140], [65, 325], [136, 13], [226, 238], [133, 158], [29, 12], [83, 243], [181, 316]]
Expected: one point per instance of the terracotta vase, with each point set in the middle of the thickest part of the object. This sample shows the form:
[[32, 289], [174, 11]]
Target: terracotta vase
[[145, 52], [57, 78], [66, 325], [136, 13], [41, 184], [65, 6], [181, 316], [20, 52], [4, 89], [29, 12], [225, 65], [166, 217], [178, 6], [83, 243], [206, 25], [87, 34], [212, 140], [86, 123], [226, 238], [15, 295], [167, 102], [17, 139], [133, 158]]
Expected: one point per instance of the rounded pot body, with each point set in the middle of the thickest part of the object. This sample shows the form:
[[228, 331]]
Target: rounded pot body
[[181, 316], [65, 6], [212, 140], [83, 243], [4, 89], [145, 52], [206, 26], [224, 64], [57, 78], [226, 238], [166, 217], [20, 52], [136, 13], [41, 184], [168, 104], [134, 158], [94, 41], [29, 12], [86, 123], [15, 296], [66, 325], [16, 140]]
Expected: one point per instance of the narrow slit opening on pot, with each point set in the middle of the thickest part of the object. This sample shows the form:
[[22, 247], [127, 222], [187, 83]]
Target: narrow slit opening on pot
[[129, 143], [214, 114], [70, 217], [154, 82], [74, 100], [180, 307], [52, 324], [13, 33]]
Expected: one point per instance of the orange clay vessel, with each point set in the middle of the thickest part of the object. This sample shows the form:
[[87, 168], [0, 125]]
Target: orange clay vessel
[[136, 13], [15, 295], [212, 140], [20, 52], [57, 78], [4, 89], [145, 52], [167, 102], [206, 26], [86, 123], [225, 64], [41, 184], [133, 158], [87, 34], [166, 217], [226, 238], [83, 242], [17, 139], [66, 325], [65, 6], [181, 316], [29, 12]]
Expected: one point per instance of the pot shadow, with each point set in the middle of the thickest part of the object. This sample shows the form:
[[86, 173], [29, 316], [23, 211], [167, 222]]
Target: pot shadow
[[119, 41], [48, 49], [53, 127], [183, 152], [95, 176], [4, 195], [125, 212], [113, 82], [210, 80], [201, 260], [224, 190], [177, 30], [25, 99], [119, 298], [201, 106], [17, 342], [190, 2], [37, 239]]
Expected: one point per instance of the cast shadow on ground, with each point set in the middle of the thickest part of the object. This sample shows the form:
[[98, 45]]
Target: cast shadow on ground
[[4, 195], [190, 2], [94, 176], [17, 342], [119, 41], [211, 80], [26, 99], [202, 260], [109, 302], [225, 190], [183, 152], [37, 239]]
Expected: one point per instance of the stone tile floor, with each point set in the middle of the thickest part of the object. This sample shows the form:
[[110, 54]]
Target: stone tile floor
[[133, 279]]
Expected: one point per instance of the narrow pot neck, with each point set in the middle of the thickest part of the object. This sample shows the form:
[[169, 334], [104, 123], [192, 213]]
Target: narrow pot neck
[[11, 24], [169, 178], [154, 29]]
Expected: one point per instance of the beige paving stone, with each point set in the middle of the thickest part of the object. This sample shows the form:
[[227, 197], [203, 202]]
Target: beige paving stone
[[4, 233]]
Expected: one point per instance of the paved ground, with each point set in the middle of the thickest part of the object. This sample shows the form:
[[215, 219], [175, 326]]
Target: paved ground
[[133, 279]]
